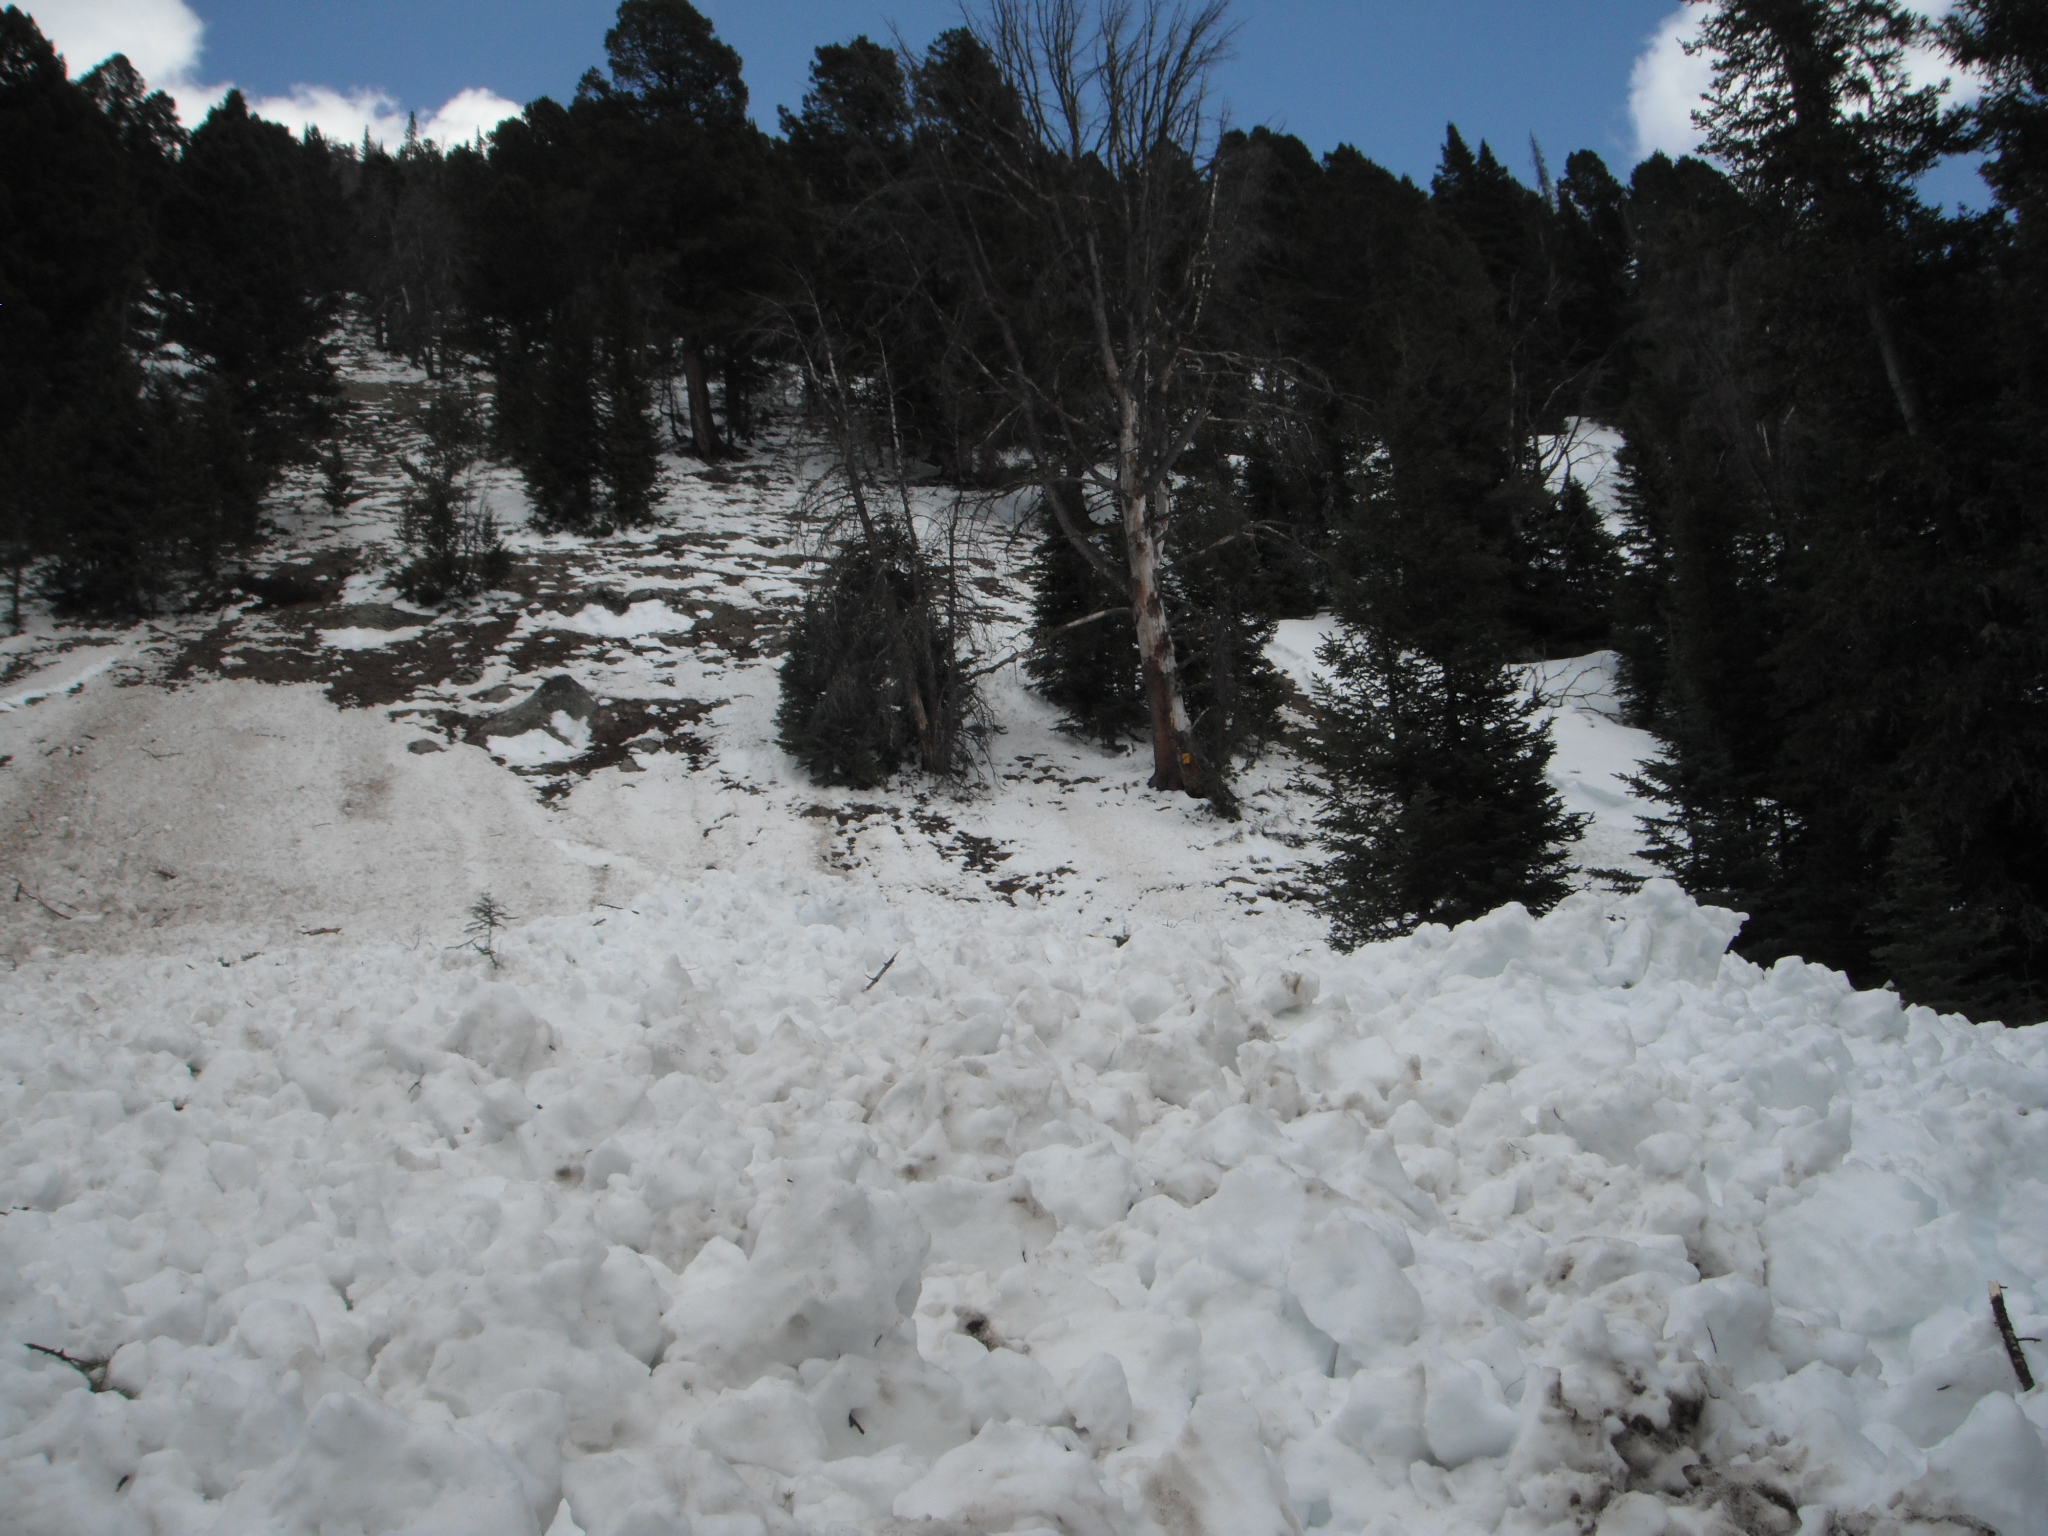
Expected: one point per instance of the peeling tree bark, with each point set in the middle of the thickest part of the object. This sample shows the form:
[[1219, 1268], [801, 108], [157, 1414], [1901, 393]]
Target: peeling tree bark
[[1175, 763]]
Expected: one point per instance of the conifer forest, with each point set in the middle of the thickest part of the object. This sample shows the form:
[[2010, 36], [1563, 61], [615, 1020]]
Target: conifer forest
[[1228, 381]]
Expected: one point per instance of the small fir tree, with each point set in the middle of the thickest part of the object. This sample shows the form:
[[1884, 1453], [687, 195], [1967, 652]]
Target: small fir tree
[[629, 447], [1084, 666], [843, 715], [487, 917], [337, 481], [1435, 806], [1222, 598], [1571, 565], [456, 550], [1942, 948]]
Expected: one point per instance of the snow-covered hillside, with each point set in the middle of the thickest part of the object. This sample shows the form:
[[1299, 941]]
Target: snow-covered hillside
[[999, 1160]]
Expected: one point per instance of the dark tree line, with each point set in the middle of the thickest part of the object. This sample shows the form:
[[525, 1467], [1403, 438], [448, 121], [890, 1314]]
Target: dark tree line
[[1833, 615], [165, 299], [1231, 380]]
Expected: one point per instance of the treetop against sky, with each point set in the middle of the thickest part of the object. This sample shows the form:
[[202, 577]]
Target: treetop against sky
[[1385, 76], [1382, 75]]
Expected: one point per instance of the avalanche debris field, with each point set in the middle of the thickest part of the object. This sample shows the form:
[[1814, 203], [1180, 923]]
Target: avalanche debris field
[[995, 1158]]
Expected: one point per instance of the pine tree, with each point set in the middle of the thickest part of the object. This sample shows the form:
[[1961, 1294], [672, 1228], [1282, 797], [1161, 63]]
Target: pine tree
[[1084, 661], [628, 447], [1435, 805], [250, 261], [1222, 596], [842, 714], [549, 422], [1570, 568], [456, 550], [1943, 949]]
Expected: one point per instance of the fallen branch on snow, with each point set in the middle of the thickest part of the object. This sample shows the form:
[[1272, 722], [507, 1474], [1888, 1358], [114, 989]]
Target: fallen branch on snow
[[2012, 1339]]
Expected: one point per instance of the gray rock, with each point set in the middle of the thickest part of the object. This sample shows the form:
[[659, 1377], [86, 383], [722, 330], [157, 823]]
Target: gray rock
[[537, 711], [377, 616], [425, 745]]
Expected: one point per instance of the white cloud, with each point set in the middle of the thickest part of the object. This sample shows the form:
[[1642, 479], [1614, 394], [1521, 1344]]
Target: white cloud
[[466, 115], [345, 116], [165, 38], [1668, 85], [162, 38]]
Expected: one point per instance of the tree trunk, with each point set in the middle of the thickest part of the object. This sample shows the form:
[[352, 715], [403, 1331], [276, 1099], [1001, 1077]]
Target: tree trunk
[[703, 429], [1175, 763], [1894, 365], [739, 403]]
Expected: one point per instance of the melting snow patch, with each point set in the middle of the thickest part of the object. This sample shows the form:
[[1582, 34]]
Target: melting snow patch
[[73, 672], [678, 1221], [367, 639], [651, 617], [563, 738]]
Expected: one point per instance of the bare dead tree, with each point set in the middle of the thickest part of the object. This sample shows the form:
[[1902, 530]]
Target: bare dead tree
[[1105, 352]]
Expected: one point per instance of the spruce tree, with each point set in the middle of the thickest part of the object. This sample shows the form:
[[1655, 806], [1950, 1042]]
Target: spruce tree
[[843, 713], [1435, 804], [1570, 567], [456, 550], [1222, 597], [1084, 659], [628, 448], [1941, 944]]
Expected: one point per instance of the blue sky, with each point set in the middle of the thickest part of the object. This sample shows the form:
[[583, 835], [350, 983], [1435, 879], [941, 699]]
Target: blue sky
[[1385, 75]]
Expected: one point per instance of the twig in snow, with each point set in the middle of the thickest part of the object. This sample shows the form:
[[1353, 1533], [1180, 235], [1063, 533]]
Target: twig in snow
[[876, 979], [2012, 1339], [21, 890], [486, 917], [94, 1371]]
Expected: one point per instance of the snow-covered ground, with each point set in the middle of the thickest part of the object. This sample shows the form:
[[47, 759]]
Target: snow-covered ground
[[1004, 1159]]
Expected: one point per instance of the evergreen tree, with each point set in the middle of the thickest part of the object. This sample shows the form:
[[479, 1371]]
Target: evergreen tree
[[406, 248], [628, 449], [1084, 659], [699, 198], [1570, 567], [851, 135], [250, 261], [74, 237], [548, 421], [456, 551], [1436, 809], [125, 481], [844, 714], [1221, 596], [1942, 947]]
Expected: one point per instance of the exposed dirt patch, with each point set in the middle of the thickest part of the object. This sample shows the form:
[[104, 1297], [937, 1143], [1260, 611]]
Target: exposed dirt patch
[[977, 855]]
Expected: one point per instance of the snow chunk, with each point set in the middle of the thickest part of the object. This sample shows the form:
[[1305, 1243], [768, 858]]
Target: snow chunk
[[834, 1270], [363, 1467], [1014, 1477], [652, 617], [502, 1035]]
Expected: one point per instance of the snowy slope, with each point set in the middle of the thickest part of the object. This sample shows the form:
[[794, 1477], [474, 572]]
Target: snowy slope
[[1006, 1159]]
